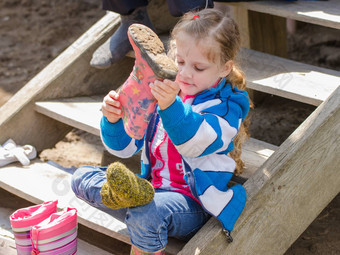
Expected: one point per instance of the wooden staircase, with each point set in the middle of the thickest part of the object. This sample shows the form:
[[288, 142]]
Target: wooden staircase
[[281, 182]]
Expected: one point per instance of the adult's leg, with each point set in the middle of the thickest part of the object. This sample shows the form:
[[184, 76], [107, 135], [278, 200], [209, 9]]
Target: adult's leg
[[116, 47], [179, 7], [169, 214], [87, 182], [123, 7]]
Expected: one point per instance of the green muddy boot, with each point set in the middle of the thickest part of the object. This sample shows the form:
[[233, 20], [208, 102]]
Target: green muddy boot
[[124, 189]]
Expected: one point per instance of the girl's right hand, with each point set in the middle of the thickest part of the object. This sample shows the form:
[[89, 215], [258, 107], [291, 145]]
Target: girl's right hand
[[111, 107]]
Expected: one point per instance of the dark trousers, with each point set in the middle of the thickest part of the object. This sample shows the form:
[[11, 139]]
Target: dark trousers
[[176, 7]]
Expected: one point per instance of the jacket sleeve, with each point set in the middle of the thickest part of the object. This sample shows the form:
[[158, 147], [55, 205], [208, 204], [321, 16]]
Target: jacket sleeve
[[116, 141], [210, 130]]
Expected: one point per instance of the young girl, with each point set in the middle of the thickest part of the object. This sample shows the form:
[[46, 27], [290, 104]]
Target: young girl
[[187, 147]]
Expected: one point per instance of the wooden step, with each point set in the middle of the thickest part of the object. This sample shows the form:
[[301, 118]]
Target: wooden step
[[281, 192], [41, 181], [324, 13], [84, 113], [7, 246], [286, 78], [282, 77], [44, 181], [80, 112]]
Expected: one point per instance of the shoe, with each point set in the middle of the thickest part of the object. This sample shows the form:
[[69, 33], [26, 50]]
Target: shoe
[[10, 152], [117, 46], [138, 104]]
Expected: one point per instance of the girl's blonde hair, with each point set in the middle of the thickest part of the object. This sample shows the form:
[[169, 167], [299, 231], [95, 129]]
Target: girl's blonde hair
[[214, 26]]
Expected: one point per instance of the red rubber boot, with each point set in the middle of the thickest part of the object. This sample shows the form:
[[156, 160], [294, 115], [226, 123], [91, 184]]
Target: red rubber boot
[[151, 63]]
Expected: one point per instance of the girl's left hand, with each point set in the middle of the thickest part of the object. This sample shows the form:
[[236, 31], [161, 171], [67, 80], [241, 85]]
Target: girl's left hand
[[165, 92]]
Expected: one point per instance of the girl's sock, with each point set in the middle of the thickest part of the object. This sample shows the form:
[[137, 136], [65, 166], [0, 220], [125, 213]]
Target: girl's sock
[[124, 189]]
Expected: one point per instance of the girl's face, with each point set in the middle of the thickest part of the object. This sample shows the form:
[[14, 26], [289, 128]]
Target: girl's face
[[195, 71]]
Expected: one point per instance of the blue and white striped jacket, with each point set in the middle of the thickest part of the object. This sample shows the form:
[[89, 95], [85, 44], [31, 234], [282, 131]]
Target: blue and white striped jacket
[[203, 134]]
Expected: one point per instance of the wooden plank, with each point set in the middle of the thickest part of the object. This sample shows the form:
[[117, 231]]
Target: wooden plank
[[8, 247], [324, 13], [267, 33], [84, 113], [287, 193], [286, 78], [254, 154], [85, 248], [81, 112], [68, 75], [41, 182], [7, 241], [7, 244], [240, 15]]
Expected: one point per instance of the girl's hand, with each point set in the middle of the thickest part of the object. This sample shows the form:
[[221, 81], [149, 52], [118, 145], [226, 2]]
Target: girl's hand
[[111, 107], [165, 92]]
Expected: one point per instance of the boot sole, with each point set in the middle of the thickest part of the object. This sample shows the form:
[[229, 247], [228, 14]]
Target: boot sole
[[152, 50]]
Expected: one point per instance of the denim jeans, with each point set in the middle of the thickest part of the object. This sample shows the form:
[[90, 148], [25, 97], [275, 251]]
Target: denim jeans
[[169, 214], [176, 7]]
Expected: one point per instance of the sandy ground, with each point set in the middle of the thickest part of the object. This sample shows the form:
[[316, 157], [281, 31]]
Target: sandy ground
[[33, 32]]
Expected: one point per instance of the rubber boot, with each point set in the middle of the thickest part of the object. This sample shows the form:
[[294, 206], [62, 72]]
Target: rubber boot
[[22, 221], [151, 63], [117, 46], [137, 251], [124, 189], [57, 234]]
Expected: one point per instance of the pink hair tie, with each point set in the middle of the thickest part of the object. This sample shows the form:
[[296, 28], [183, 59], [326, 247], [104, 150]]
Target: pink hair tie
[[195, 17]]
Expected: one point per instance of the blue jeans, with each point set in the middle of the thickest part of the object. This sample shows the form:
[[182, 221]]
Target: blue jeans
[[169, 214], [176, 7]]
